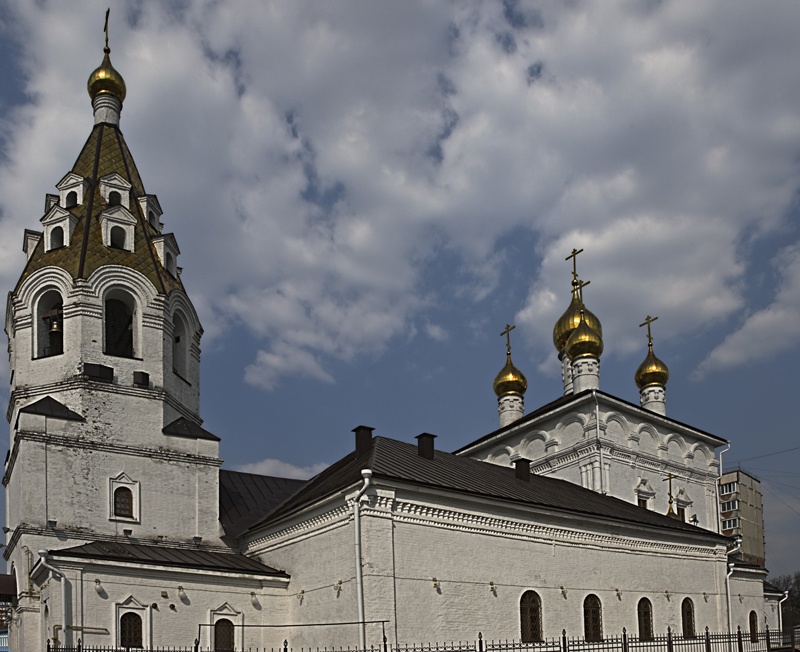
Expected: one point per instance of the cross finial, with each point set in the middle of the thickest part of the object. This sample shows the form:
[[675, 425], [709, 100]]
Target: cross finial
[[507, 333], [647, 321], [580, 285], [105, 29], [669, 479], [574, 256]]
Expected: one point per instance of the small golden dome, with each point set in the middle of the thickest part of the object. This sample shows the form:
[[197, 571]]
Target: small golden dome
[[584, 340], [106, 79], [569, 321], [652, 371], [510, 380]]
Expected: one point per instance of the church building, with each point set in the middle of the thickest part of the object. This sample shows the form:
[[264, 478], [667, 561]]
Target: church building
[[589, 514]]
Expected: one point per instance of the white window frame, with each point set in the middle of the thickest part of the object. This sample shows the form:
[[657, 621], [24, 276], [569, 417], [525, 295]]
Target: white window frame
[[729, 487], [118, 216], [731, 523], [57, 216], [69, 183], [132, 605], [226, 611], [730, 505], [114, 182], [123, 480]]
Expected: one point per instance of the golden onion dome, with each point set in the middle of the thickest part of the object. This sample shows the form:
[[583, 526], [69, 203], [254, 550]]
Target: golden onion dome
[[652, 371], [584, 340], [569, 321], [510, 380], [106, 79]]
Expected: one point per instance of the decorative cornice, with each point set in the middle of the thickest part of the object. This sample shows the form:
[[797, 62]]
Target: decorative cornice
[[318, 524]]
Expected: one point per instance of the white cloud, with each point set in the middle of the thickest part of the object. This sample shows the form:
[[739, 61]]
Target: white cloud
[[282, 469]]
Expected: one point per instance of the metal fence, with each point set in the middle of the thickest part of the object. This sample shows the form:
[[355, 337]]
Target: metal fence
[[764, 641]]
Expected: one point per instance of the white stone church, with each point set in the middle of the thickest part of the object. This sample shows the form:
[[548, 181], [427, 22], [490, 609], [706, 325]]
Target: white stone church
[[122, 530]]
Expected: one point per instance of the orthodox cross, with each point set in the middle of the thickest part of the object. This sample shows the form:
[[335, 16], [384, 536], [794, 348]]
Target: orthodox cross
[[105, 28], [647, 321], [669, 479], [507, 333], [574, 256]]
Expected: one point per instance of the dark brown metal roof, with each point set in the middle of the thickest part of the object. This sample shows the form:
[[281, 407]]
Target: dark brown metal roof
[[399, 461], [167, 556], [50, 407], [182, 427], [246, 498]]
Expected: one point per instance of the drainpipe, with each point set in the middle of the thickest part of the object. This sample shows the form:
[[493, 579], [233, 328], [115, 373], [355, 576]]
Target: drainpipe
[[60, 575], [780, 612], [362, 627], [733, 550], [716, 490], [599, 444]]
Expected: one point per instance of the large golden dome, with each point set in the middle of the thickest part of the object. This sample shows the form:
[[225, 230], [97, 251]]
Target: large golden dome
[[584, 340], [652, 371], [569, 321], [106, 79], [510, 380]]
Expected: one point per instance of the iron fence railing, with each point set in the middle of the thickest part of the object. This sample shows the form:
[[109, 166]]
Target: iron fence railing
[[764, 641]]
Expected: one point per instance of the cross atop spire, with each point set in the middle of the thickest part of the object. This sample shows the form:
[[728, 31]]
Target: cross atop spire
[[647, 321], [574, 256], [105, 29], [507, 333], [579, 285]]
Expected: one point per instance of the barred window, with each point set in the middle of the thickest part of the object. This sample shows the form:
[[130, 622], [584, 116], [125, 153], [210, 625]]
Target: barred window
[[687, 618], [130, 630], [223, 635], [753, 627], [592, 618], [530, 617], [123, 502], [645, 613]]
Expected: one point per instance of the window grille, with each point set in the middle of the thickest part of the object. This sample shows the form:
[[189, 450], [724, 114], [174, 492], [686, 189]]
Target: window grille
[[223, 635], [592, 618], [530, 617], [123, 502], [130, 630], [687, 618], [645, 614]]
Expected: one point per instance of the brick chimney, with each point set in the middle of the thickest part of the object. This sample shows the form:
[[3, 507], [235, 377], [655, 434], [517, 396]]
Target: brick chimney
[[363, 439], [425, 445], [522, 469]]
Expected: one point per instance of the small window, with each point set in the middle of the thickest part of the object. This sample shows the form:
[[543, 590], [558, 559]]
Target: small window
[[730, 523], [72, 199], [114, 198], [117, 237], [119, 326], [223, 635], [180, 346], [730, 506], [753, 627], [682, 513], [644, 611], [130, 630], [687, 618], [592, 619], [643, 503], [50, 325], [530, 617], [151, 217], [123, 502], [56, 237], [729, 487]]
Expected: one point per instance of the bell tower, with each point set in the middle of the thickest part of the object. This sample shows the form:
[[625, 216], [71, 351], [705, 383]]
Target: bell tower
[[104, 351]]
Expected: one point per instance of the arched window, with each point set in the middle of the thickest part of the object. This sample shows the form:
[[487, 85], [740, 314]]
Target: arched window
[[114, 198], [72, 199], [119, 326], [151, 217], [592, 618], [49, 325], [687, 618], [223, 635], [180, 346], [117, 237], [753, 627], [57, 237], [170, 263], [123, 502], [644, 611], [130, 630], [530, 617]]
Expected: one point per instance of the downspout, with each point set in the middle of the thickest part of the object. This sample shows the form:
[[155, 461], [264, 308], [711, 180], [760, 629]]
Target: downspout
[[362, 627], [728, 588], [43, 554], [780, 612], [716, 489], [599, 444]]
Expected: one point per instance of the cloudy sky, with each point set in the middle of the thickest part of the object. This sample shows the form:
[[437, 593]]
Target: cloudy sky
[[365, 193]]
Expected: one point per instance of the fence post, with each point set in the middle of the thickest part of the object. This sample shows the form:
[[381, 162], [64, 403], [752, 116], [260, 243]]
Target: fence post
[[708, 640], [564, 646], [80, 644], [739, 638], [196, 644], [769, 643], [285, 645], [48, 643], [480, 642], [624, 640], [669, 639]]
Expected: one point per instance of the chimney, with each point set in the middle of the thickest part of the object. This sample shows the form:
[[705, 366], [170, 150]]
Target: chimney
[[425, 445], [363, 439], [522, 469]]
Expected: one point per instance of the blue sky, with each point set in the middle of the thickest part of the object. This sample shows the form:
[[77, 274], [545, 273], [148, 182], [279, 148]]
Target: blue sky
[[365, 193]]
